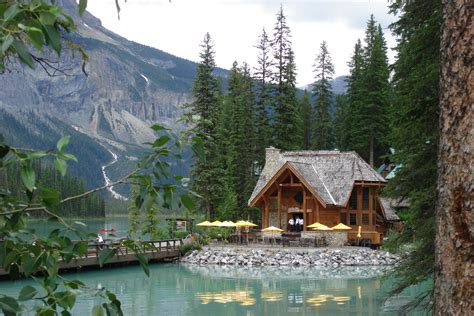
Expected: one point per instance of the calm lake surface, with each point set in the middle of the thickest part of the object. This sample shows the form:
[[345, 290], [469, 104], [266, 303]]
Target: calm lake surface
[[184, 289], [179, 289]]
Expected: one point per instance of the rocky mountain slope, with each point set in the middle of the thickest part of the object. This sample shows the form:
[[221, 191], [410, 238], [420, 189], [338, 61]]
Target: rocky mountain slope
[[128, 87]]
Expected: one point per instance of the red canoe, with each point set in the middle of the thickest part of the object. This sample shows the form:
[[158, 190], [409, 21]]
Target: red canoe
[[103, 230]]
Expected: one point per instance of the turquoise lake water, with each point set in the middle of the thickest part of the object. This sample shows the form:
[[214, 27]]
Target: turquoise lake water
[[184, 289], [181, 289]]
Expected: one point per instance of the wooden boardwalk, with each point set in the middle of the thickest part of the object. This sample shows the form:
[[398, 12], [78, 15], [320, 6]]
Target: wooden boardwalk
[[154, 250]]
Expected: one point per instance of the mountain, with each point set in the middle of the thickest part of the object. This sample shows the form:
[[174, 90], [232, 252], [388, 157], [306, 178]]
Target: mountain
[[128, 87], [338, 85]]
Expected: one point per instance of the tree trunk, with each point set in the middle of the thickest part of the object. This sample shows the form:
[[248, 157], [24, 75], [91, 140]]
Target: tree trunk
[[454, 262]]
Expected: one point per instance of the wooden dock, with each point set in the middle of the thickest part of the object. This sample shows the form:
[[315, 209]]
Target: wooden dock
[[153, 250]]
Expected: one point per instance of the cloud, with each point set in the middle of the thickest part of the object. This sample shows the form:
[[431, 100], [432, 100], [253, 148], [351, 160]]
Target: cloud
[[353, 13]]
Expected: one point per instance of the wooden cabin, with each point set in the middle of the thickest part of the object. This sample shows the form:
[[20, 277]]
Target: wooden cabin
[[329, 187]]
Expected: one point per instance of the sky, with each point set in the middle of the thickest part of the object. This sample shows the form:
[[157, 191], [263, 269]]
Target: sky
[[178, 27]]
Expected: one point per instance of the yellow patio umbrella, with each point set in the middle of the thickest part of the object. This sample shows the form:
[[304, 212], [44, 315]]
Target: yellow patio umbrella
[[272, 229], [215, 223], [244, 224], [226, 224], [341, 226], [205, 224], [322, 228], [317, 225]]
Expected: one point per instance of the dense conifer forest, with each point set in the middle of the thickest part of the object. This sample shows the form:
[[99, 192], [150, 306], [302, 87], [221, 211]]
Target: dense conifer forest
[[49, 178]]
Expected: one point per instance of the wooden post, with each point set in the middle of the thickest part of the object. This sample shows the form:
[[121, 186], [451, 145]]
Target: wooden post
[[279, 206], [265, 221], [304, 209], [317, 210]]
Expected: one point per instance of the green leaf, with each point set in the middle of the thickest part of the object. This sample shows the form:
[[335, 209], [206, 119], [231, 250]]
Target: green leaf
[[28, 177], [37, 154], [61, 166], [6, 43], [82, 6], [23, 53], [69, 157], [11, 12], [97, 310], [80, 248], [36, 36], [63, 142], [27, 293], [143, 263], [105, 255], [157, 128], [161, 141], [9, 305], [187, 202], [53, 38], [30, 263], [50, 197]]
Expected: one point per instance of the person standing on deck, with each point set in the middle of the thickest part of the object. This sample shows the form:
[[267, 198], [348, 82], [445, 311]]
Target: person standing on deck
[[300, 224], [291, 222]]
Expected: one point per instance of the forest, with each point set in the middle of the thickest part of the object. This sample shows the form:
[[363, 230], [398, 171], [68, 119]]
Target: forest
[[386, 106]]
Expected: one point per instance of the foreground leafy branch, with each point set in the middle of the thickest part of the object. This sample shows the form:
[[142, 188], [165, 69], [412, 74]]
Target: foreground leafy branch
[[23, 253]]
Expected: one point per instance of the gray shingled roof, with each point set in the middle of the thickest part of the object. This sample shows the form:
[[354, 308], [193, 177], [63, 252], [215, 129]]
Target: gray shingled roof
[[388, 207], [331, 174]]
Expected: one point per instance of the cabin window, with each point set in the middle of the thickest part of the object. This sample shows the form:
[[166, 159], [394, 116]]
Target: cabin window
[[365, 219], [352, 219], [299, 197], [353, 200], [343, 218], [365, 198]]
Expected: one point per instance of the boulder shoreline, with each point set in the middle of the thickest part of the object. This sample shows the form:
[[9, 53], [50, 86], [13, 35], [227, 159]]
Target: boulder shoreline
[[324, 257]]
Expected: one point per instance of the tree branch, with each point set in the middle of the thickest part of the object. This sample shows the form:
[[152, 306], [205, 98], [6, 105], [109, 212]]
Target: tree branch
[[70, 198], [111, 184]]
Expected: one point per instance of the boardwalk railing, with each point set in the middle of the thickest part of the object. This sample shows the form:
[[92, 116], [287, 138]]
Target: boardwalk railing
[[169, 246], [153, 250]]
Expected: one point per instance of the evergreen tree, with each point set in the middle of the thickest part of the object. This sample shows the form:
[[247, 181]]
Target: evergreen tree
[[414, 118], [207, 173], [263, 97], [306, 113], [286, 123], [342, 123], [239, 124], [324, 72], [370, 109]]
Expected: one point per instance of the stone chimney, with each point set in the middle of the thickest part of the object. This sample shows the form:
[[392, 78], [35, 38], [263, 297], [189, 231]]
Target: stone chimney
[[272, 156]]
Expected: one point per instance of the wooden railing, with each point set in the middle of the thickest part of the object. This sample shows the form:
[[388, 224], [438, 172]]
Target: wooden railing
[[148, 247]]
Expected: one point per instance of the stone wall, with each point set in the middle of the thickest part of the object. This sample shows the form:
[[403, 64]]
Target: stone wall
[[334, 239]]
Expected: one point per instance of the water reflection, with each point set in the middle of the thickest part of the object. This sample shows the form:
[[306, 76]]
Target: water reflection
[[242, 297], [215, 290]]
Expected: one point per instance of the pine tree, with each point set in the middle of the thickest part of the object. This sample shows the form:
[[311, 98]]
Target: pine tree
[[306, 113], [240, 102], [286, 124], [263, 97], [324, 72], [207, 174], [342, 123], [414, 118], [370, 111]]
